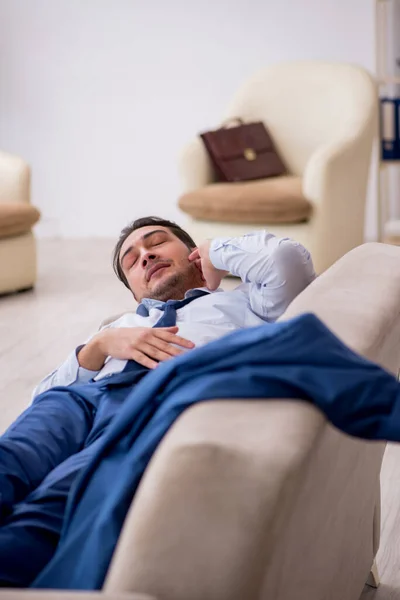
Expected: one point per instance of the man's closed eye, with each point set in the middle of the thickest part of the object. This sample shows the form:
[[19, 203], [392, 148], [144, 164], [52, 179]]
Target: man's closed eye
[[132, 264]]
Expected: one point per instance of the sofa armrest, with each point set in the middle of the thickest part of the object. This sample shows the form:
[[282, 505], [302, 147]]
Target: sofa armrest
[[209, 498], [14, 179], [13, 594], [231, 480], [195, 167]]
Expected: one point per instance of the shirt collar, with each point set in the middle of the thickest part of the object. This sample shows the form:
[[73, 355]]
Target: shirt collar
[[150, 303]]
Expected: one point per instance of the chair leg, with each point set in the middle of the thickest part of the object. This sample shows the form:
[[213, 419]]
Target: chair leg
[[373, 577]]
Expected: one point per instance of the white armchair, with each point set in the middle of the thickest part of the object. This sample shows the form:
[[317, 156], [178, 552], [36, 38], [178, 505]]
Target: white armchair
[[323, 119], [17, 243]]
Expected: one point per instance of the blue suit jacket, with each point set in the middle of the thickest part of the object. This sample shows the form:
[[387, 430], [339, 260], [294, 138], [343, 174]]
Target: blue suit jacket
[[300, 358]]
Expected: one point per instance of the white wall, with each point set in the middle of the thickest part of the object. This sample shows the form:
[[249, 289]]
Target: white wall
[[101, 95]]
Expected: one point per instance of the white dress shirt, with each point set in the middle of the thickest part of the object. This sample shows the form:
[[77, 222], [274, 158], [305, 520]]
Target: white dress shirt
[[273, 272]]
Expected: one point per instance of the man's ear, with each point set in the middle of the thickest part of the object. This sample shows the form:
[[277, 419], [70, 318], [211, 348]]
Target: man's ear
[[193, 254], [197, 263]]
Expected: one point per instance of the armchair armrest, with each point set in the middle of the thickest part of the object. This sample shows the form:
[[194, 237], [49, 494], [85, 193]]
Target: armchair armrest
[[14, 179], [195, 166], [335, 180]]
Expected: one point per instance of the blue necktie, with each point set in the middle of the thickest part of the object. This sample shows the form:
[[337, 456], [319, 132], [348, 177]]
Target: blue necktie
[[170, 307], [132, 371]]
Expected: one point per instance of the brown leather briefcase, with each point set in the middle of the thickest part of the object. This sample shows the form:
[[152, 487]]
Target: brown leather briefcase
[[243, 152]]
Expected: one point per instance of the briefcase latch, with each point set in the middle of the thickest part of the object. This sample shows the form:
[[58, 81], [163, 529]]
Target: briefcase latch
[[249, 154]]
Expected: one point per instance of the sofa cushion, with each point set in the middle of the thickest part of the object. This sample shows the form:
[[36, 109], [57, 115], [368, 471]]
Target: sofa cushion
[[272, 200], [16, 218]]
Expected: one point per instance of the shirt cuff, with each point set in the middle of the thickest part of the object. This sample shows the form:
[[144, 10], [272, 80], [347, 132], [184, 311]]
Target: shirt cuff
[[83, 375], [216, 252]]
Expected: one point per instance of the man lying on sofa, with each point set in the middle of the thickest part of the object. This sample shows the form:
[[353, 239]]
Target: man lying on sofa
[[180, 307]]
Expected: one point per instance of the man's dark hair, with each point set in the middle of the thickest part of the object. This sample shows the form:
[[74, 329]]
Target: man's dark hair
[[145, 222]]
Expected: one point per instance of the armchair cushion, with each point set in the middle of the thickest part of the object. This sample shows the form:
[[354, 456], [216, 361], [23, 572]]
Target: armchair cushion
[[272, 200], [17, 218]]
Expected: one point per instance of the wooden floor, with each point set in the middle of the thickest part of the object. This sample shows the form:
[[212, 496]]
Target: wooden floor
[[76, 290]]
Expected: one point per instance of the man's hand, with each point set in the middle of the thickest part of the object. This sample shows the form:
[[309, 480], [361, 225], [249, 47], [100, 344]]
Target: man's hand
[[143, 344], [201, 257]]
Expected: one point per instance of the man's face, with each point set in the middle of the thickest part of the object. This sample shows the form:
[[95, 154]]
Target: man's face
[[155, 264]]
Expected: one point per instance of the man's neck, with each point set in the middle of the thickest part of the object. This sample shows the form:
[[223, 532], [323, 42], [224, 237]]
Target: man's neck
[[177, 296]]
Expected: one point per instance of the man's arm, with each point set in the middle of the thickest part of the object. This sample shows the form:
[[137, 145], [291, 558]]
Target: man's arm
[[66, 374], [145, 345], [276, 269], [58, 421]]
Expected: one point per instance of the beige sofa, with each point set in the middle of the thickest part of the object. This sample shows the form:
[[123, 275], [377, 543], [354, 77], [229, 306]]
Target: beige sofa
[[17, 217], [264, 500]]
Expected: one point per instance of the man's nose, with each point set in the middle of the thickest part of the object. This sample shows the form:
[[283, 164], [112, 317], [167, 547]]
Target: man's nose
[[148, 258]]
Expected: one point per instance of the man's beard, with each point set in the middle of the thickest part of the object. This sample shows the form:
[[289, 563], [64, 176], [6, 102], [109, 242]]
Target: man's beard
[[175, 286]]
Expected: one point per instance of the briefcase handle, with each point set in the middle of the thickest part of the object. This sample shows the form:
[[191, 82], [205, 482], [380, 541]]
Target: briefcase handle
[[232, 122]]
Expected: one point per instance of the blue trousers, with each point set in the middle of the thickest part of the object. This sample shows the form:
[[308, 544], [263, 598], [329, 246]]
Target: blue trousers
[[41, 456]]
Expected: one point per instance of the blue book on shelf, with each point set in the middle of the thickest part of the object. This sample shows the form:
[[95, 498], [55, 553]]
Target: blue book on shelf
[[390, 128], [398, 128]]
